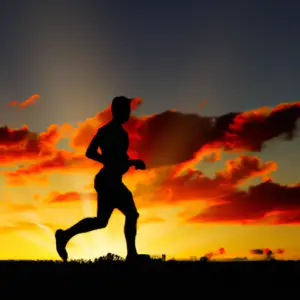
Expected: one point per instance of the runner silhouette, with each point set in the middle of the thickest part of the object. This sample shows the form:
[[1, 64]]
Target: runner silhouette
[[112, 193]]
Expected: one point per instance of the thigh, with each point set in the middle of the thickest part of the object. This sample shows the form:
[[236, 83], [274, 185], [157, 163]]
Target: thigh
[[105, 206], [104, 191], [124, 201]]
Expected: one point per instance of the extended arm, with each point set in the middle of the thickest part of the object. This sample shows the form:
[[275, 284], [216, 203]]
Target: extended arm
[[92, 150]]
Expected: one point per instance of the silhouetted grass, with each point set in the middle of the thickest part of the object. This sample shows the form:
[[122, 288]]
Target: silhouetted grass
[[101, 276]]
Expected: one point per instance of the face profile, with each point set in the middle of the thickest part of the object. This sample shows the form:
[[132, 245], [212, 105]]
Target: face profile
[[121, 109]]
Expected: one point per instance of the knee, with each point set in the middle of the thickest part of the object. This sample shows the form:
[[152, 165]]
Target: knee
[[132, 216], [101, 222]]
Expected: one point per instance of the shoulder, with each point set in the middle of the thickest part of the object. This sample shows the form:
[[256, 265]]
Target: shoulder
[[106, 130], [111, 129]]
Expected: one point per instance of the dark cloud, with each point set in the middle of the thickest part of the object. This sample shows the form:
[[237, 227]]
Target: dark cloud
[[255, 204]]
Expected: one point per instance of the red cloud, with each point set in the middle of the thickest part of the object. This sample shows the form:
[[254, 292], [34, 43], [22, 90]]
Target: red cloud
[[259, 202], [13, 103], [163, 139], [279, 251], [267, 251], [172, 137], [85, 131], [250, 130], [220, 251], [12, 137], [245, 167], [170, 186], [17, 145], [63, 161]]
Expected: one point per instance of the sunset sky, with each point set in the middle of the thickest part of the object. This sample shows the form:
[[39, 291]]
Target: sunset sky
[[217, 103]]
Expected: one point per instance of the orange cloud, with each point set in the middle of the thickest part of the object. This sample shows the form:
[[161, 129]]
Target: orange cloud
[[30, 101], [56, 197], [13, 103], [168, 142], [245, 167], [17, 145], [167, 186], [62, 161], [151, 220], [167, 138], [85, 131], [173, 137]]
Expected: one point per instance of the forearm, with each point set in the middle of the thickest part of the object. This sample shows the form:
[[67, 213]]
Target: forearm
[[95, 156], [131, 162]]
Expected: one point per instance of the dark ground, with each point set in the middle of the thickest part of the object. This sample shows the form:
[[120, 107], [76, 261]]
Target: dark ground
[[44, 279]]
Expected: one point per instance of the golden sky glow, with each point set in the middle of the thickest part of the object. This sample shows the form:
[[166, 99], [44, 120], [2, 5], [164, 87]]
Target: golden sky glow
[[46, 184]]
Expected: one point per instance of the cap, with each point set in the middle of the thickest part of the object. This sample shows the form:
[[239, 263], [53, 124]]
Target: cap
[[120, 101]]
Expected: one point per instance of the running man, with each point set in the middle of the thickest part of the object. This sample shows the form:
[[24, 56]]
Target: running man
[[112, 193]]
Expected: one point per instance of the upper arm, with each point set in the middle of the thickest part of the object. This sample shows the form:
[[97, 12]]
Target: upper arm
[[94, 144]]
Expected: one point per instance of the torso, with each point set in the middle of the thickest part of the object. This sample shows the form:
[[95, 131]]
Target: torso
[[114, 143]]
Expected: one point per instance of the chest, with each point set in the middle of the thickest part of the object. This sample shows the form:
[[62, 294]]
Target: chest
[[117, 140]]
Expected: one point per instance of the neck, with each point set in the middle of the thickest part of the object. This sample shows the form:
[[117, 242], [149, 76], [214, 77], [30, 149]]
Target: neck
[[115, 121]]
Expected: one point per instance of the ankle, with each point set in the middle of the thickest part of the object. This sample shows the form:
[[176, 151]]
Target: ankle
[[132, 253]]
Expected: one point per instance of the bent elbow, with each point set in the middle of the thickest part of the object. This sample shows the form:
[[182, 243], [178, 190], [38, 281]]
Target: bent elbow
[[89, 154]]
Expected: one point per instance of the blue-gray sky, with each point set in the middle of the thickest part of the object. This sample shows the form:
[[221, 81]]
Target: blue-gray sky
[[78, 55]]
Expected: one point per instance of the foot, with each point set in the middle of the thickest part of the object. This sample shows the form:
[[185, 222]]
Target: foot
[[61, 243], [137, 257]]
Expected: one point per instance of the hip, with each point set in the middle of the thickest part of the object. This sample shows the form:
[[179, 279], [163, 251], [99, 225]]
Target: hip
[[106, 178], [110, 186]]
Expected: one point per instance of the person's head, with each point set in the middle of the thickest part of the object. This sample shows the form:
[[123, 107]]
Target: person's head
[[120, 108]]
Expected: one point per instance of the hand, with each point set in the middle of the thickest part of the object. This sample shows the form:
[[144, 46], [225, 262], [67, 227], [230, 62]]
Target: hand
[[138, 164]]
